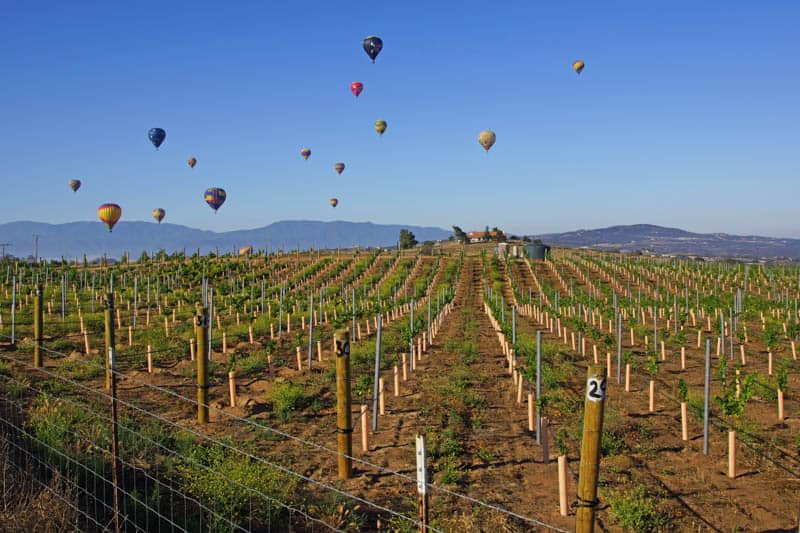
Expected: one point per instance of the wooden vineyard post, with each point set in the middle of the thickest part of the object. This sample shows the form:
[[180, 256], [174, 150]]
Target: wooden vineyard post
[[37, 328], [422, 484], [684, 423], [590, 448], [341, 342], [201, 331]]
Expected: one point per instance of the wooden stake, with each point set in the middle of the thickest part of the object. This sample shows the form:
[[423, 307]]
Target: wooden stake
[[149, 359], [731, 454], [590, 448], [341, 341]]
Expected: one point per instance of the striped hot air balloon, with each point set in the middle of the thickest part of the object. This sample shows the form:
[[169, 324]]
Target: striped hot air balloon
[[109, 214], [215, 197]]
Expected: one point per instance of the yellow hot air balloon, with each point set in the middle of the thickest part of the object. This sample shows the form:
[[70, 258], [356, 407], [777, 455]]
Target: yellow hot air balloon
[[159, 214], [577, 66], [109, 214], [487, 139], [380, 126]]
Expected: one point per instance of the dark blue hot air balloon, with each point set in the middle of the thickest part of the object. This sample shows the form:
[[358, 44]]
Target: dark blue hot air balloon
[[215, 197], [373, 46], [157, 136]]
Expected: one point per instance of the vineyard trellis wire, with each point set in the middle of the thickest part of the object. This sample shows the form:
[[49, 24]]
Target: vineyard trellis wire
[[410, 481]]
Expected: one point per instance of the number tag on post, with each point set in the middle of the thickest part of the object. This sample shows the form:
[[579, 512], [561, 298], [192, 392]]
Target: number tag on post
[[596, 389]]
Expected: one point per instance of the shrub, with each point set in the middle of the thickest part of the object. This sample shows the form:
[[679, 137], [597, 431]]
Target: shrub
[[286, 399], [637, 511]]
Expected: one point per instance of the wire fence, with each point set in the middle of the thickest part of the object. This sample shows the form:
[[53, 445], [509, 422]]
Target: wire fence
[[173, 476]]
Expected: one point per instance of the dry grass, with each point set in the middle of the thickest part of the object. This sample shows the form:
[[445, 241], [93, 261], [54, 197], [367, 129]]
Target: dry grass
[[30, 504]]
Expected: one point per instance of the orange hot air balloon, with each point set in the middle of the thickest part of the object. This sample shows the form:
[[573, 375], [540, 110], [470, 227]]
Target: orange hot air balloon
[[192, 161], [356, 87], [334, 202], [109, 214], [159, 214], [339, 167]]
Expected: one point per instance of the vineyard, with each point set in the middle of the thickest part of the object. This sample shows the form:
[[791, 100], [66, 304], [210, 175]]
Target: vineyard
[[484, 355]]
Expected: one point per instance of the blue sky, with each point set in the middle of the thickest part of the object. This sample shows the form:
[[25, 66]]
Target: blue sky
[[686, 114]]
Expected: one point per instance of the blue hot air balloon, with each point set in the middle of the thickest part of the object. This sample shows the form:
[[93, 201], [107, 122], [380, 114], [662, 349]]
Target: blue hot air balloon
[[215, 197], [157, 136]]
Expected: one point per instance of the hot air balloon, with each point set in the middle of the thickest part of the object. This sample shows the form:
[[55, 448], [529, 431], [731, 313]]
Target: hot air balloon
[[246, 250], [109, 214], [74, 185], [487, 139], [578, 65], [380, 126], [356, 87], [339, 167], [334, 202], [157, 136], [373, 46], [306, 153], [191, 161], [159, 214], [215, 197]]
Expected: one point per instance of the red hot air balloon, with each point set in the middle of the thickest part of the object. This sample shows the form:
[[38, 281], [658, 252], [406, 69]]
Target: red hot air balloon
[[356, 87]]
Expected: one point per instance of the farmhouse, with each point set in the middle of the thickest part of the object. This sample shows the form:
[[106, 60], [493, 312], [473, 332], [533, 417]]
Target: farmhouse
[[484, 236]]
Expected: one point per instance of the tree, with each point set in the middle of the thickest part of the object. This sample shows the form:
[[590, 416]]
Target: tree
[[459, 234], [407, 239]]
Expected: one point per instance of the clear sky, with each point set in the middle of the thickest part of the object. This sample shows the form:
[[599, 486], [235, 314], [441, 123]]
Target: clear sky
[[686, 114]]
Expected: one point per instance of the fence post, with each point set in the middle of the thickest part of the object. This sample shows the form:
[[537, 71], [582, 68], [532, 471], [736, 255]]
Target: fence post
[[422, 484], [37, 327], [341, 343], [108, 316], [111, 374], [590, 448], [202, 369]]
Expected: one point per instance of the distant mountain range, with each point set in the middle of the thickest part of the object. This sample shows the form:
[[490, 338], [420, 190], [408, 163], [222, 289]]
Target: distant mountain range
[[660, 240], [74, 239]]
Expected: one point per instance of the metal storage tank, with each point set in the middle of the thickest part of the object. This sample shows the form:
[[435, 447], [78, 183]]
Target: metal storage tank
[[537, 250]]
